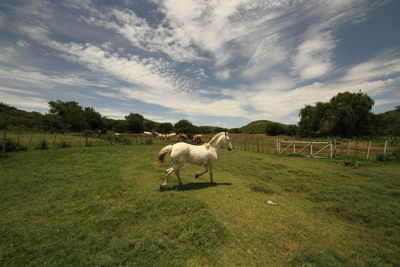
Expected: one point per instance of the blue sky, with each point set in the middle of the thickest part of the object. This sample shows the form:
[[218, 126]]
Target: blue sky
[[222, 63]]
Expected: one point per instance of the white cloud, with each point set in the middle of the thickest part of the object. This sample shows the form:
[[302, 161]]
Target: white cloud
[[24, 102], [381, 66], [223, 75], [34, 77], [23, 43], [111, 113], [19, 91], [314, 56]]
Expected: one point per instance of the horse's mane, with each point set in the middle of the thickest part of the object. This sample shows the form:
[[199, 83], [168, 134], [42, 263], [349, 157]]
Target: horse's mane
[[215, 138]]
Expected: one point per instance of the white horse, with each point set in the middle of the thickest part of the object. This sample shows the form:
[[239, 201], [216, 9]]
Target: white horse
[[204, 155]]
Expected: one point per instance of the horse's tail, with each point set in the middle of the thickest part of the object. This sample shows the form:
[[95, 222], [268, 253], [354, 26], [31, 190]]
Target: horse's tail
[[164, 151]]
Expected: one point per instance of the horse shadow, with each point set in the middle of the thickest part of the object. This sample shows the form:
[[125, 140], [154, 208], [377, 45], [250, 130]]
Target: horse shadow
[[191, 186]]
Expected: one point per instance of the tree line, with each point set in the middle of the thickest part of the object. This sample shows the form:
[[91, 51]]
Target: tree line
[[69, 116], [346, 115]]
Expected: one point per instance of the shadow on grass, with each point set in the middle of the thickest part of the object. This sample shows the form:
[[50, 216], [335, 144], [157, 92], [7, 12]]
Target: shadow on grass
[[191, 186]]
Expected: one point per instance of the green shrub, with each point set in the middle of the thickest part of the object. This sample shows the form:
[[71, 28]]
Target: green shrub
[[123, 140], [12, 146], [396, 154], [381, 157], [42, 145], [149, 142], [63, 144]]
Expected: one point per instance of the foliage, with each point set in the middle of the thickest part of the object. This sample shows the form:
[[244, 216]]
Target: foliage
[[346, 115], [135, 123], [184, 126], [165, 127], [396, 154], [9, 145], [267, 127], [12, 117], [274, 129], [42, 145], [149, 125]]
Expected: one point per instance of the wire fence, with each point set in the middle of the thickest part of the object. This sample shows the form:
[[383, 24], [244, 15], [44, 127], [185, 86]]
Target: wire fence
[[258, 143]]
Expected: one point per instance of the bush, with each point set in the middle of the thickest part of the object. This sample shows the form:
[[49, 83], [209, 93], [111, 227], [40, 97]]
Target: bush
[[149, 142], [42, 145], [12, 146], [396, 154], [63, 144], [123, 140], [381, 157]]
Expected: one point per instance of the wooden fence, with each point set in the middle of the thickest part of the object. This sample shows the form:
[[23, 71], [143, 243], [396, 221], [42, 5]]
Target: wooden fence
[[316, 149]]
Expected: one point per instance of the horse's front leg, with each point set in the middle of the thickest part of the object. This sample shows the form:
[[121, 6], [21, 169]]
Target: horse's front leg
[[201, 173]]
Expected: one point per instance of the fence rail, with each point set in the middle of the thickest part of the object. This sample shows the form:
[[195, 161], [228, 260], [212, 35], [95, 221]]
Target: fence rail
[[250, 142]]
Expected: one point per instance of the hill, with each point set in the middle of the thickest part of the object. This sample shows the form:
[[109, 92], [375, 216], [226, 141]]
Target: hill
[[270, 127], [255, 127]]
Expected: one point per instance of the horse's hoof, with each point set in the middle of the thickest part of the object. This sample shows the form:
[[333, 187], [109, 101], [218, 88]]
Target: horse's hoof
[[196, 176]]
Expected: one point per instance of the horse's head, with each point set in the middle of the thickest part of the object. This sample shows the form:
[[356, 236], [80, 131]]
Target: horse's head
[[227, 141]]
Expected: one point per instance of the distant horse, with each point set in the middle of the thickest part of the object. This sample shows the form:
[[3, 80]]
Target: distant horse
[[204, 155], [171, 136], [182, 136], [197, 138], [147, 134]]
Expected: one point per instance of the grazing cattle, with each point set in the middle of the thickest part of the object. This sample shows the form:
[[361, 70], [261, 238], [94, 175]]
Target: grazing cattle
[[204, 155], [197, 139]]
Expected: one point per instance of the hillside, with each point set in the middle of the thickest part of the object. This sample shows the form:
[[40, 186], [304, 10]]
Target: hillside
[[260, 126]]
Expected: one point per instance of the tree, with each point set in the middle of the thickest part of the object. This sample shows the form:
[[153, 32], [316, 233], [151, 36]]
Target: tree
[[274, 129], [93, 119], [184, 126], [149, 125], [67, 115], [346, 114], [352, 114], [165, 127], [134, 122]]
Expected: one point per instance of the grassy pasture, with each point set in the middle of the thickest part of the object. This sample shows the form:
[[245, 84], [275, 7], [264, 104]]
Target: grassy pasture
[[101, 206]]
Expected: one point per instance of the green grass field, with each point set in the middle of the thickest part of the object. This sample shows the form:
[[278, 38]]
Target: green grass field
[[102, 206]]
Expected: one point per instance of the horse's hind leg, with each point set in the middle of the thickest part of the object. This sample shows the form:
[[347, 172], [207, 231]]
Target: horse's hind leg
[[168, 171], [178, 176], [175, 168], [211, 174]]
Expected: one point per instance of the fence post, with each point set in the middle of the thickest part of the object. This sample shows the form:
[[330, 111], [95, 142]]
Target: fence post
[[294, 147], [18, 139], [279, 146], [369, 147], [258, 148], [331, 149], [54, 140], [334, 148], [348, 147], [311, 149], [4, 140], [384, 149]]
